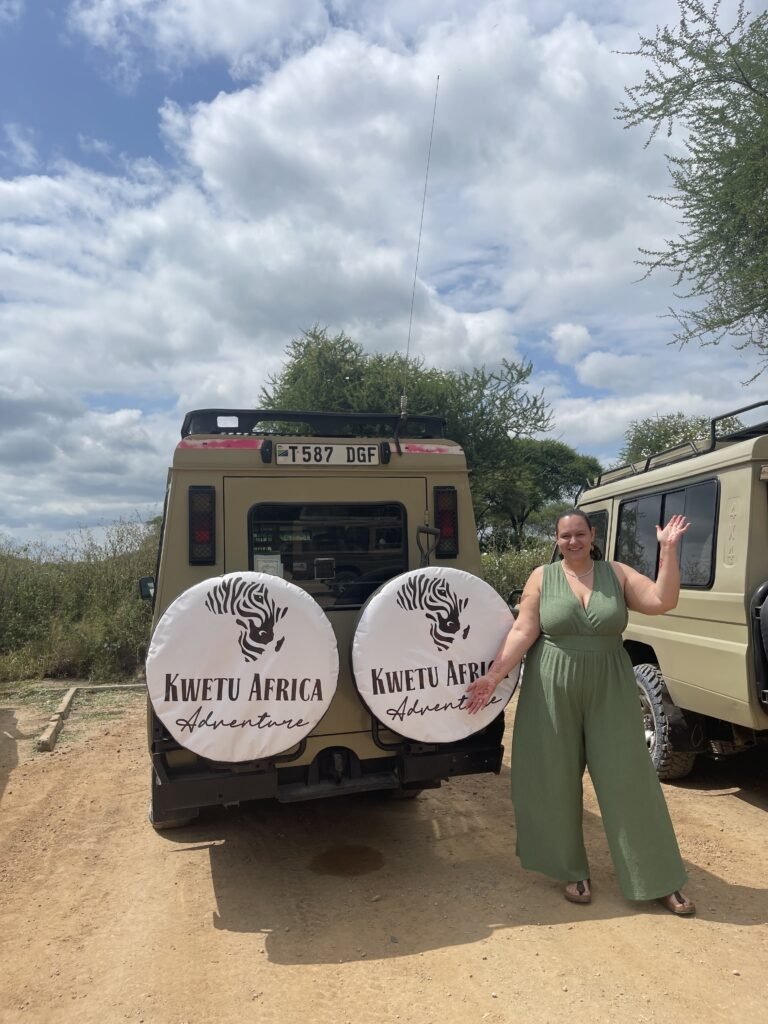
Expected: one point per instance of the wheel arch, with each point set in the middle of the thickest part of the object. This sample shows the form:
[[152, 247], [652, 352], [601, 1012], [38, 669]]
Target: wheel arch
[[639, 653]]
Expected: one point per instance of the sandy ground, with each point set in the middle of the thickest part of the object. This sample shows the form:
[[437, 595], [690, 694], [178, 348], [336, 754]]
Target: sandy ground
[[357, 910]]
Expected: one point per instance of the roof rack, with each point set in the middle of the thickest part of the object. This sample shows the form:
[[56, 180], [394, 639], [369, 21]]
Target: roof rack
[[313, 424], [689, 449]]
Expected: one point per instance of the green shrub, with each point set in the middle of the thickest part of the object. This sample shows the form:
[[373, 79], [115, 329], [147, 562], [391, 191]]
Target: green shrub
[[74, 611], [508, 570]]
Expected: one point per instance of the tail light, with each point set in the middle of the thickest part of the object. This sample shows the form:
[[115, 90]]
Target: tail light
[[447, 522], [202, 525]]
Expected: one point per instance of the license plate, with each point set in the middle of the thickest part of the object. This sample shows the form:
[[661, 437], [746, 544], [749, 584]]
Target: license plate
[[328, 454]]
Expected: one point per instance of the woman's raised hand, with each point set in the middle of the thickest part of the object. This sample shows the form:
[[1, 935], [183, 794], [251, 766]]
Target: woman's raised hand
[[672, 532]]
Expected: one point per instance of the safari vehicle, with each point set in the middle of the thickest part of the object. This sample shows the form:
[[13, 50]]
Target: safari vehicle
[[336, 504], [701, 669]]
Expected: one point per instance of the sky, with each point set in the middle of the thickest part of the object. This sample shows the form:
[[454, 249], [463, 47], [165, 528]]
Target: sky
[[185, 186]]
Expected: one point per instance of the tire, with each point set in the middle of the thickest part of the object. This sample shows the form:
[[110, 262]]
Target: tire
[[764, 626], [657, 710]]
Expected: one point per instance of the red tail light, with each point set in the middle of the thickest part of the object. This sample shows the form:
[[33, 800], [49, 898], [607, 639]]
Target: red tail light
[[447, 522], [202, 525]]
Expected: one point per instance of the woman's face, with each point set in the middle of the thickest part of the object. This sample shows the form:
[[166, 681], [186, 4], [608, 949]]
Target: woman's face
[[574, 537]]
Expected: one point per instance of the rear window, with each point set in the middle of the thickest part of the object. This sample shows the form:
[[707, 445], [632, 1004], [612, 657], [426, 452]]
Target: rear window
[[339, 554]]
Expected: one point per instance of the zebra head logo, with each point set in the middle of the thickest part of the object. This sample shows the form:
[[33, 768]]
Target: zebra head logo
[[441, 606], [255, 613]]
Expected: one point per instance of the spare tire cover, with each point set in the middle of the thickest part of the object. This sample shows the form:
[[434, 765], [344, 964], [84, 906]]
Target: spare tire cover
[[242, 666], [420, 640]]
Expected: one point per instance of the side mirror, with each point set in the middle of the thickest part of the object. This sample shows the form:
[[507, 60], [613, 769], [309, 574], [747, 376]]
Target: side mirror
[[147, 588]]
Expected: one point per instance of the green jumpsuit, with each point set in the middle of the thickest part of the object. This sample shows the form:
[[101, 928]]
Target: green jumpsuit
[[578, 708]]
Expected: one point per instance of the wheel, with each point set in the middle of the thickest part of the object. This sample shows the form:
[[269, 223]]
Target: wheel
[[657, 710], [764, 626]]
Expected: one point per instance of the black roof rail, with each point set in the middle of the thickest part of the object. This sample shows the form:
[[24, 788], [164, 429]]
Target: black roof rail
[[744, 433], [314, 424], [689, 449]]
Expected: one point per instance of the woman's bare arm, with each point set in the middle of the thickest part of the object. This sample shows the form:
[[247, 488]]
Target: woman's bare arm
[[523, 634], [645, 595]]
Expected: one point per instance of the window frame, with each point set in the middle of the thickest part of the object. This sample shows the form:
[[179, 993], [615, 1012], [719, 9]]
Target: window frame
[[592, 516], [662, 493], [372, 525]]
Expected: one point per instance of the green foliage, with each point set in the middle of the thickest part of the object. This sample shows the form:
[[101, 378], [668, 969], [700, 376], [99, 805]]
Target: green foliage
[[508, 570], [540, 525], [481, 408], [490, 413], [713, 84], [657, 433], [74, 611], [530, 476]]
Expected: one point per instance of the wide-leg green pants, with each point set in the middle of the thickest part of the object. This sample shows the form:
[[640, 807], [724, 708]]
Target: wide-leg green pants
[[569, 720]]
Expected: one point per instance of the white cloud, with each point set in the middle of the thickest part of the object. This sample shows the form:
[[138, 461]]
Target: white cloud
[[20, 147], [251, 36], [133, 296], [10, 10], [98, 147], [550, 198], [571, 340], [255, 36], [687, 382], [619, 373]]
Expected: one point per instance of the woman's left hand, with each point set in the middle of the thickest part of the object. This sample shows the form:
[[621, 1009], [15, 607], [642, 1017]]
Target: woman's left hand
[[479, 694], [672, 532]]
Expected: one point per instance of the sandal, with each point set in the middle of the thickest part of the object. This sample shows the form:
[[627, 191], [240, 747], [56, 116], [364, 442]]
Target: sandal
[[678, 904], [582, 893]]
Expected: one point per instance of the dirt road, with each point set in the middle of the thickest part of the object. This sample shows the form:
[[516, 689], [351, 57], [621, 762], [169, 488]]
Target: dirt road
[[355, 909]]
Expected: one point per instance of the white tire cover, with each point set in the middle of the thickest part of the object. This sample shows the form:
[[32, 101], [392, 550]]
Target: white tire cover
[[420, 640], [242, 666]]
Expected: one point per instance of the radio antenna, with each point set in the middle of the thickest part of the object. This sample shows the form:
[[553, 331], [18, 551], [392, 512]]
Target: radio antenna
[[403, 398]]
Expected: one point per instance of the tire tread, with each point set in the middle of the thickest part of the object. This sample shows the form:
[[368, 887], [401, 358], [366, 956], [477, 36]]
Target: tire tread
[[669, 763]]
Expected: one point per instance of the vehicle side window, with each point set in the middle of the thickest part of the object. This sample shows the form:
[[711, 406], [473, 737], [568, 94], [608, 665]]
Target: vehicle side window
[[697, 549], [637, 546], [599, 520]]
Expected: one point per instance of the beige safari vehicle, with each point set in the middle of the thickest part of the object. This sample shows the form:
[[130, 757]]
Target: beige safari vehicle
[[337, 504], [701, 669]]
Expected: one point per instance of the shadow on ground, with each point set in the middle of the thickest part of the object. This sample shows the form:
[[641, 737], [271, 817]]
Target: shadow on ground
[[361, 877], [744, 776], [11, 734]]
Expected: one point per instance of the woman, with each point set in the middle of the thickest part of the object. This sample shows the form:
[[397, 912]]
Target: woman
[[578, 708]]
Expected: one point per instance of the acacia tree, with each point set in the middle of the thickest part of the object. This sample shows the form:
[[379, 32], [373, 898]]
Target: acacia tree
[[533, 475], [655, 434], [712, 83], [482, 408], [492, 414]]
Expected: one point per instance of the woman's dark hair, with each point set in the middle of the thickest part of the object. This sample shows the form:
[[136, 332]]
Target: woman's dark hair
[[595, 552]]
